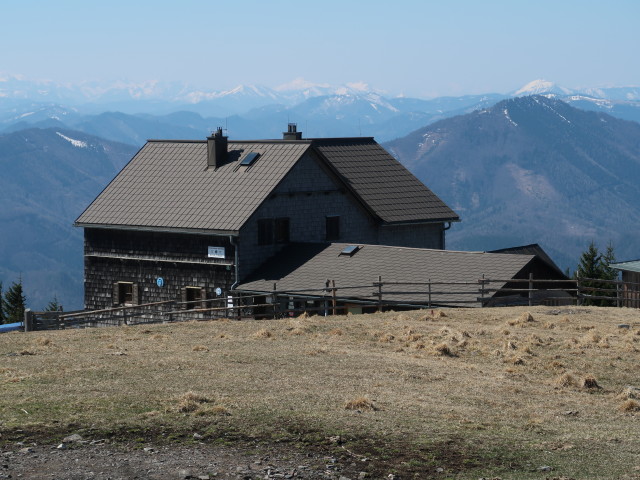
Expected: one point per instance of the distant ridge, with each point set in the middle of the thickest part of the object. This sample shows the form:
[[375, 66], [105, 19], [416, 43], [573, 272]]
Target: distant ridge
[[48, 177], [533, 170]]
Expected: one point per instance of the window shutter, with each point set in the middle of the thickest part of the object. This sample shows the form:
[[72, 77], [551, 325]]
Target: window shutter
[[116, 293], [135, 294]]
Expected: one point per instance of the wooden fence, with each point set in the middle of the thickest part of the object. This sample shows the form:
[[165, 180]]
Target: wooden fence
[[612, 293], [334, 300]]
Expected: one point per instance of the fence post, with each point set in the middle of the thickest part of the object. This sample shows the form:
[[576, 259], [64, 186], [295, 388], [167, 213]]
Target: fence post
[[482, 291], [326, 302], [379, 293], [28, 320], [578, 299], [618, 295], [333, 290], [429, 281], [274, 300], [530, 289]]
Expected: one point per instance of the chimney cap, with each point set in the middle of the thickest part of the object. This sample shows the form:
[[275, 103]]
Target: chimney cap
[[217, 134], [292, 132]]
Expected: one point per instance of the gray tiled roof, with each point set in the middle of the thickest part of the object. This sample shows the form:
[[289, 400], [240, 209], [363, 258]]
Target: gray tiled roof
[[392, 192], [630, 266], [167, 185], [307, 267], [532, 249]]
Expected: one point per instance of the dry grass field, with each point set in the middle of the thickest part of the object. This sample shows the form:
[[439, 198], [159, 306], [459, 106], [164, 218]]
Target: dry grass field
[[460, 393]]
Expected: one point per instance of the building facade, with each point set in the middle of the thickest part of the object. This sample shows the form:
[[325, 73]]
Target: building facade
[[188, 220]]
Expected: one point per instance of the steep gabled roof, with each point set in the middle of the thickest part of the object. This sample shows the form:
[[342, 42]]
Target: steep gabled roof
[[532, 249], [167, 185], [391, 191], [306, 267]]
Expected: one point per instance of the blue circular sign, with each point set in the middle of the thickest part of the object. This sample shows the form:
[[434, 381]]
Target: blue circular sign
[[160, 281]]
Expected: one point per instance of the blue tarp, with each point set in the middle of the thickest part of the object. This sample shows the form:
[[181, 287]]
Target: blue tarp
[[10, 327]]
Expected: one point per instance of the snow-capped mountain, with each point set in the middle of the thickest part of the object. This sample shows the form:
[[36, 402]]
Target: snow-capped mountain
[[621, 102], [541, 87], [138, 111], [615, 93]]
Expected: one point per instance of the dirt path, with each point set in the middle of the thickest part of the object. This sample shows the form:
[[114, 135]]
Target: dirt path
[[109, 462]]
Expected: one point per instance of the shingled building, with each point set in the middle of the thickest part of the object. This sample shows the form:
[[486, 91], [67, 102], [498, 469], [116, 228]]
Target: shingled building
[[191, 219]]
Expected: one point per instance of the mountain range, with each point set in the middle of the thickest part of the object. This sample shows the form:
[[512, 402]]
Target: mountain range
[[132, 113], [533, 169], [543, 164]]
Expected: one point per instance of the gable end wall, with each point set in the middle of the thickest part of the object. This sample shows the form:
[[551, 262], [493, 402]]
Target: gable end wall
[[307, 195]]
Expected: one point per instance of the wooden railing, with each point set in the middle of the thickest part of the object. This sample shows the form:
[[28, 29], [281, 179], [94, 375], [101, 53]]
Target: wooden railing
[[332, 299]]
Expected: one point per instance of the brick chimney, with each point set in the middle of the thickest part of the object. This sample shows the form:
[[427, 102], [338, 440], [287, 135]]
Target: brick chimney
[[292, 133], [216, 149]]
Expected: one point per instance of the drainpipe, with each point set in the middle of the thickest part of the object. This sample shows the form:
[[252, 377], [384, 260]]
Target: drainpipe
[[235, 262], [443, 236]]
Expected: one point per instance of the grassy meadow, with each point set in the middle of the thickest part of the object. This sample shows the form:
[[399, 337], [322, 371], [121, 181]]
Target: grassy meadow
[[521, 393]]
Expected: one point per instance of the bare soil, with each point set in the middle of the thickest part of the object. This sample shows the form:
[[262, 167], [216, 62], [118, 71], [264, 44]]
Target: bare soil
[[202, 461]]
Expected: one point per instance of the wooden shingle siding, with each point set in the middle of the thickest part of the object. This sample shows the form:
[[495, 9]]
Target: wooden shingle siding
[[103, 272], [425, 235]]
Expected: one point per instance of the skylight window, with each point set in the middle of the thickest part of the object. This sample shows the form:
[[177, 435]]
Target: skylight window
[[350, 250], [249, 159]]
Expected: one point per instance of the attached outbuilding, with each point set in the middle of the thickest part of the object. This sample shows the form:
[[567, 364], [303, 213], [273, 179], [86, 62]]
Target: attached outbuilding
[[365, 276], [630, 282]]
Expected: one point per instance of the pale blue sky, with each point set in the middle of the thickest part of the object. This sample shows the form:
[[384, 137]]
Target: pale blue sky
[[421, 48]]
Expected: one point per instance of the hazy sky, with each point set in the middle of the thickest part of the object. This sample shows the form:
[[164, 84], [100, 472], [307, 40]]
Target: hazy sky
[[417, 47]]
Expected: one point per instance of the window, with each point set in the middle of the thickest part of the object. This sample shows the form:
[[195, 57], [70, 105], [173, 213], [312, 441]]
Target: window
[[281, 230], [193, 297], [273, 230], [249, 159], [125, 293], [265, 231], [333, 227], [350, 250]]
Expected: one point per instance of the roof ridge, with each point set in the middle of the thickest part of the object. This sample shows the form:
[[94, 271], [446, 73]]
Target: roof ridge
[[422, 249]]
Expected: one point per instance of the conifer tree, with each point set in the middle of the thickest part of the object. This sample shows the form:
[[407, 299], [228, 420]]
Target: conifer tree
[[609, 257], [14, 303], [54, 305], [594, 265], [589, 266]]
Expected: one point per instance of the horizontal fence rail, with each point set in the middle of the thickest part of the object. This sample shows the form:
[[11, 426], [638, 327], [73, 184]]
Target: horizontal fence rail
[[332, 299]]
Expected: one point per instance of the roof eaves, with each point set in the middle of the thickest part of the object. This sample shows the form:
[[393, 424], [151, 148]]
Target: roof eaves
[[193, 231], [420, 222]]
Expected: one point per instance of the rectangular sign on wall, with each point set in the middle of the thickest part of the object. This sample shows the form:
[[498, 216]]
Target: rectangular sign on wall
[[215, 252]]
